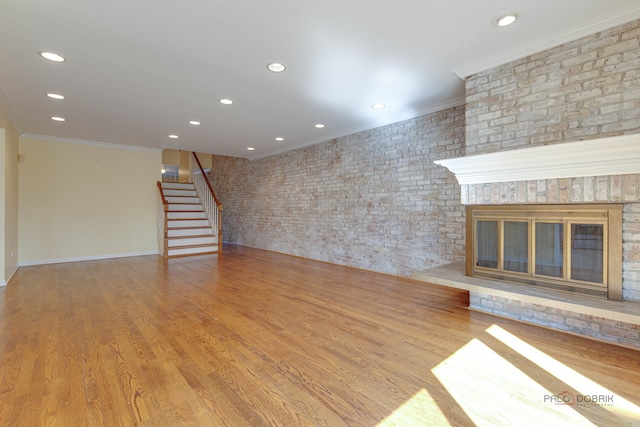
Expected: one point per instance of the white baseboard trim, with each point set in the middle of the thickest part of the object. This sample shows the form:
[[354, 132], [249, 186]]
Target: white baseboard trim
[[86, 258], [6, 280]]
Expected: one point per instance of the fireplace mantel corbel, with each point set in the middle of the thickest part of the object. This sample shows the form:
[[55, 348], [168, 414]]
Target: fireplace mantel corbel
[[618, 155]]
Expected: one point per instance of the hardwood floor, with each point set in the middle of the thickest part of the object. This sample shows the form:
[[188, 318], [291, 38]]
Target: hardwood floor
[[254, 338]]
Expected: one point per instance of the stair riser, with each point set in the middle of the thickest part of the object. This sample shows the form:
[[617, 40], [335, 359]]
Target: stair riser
[[191, 232], [174, 199], [177, 186], [188, 223], [185, 207], [192, 241], [186, 193], [192, 251], [187, 215]]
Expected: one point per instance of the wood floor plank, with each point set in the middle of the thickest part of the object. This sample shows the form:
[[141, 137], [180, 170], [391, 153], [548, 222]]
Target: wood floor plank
[[256, 338]]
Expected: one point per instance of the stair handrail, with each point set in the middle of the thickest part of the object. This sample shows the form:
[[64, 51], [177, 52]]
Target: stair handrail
[[207, 196], [163, 223], [213, 193]]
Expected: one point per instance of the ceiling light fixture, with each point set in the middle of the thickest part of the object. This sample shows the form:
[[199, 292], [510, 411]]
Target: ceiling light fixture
[[506, 19], [226, 101], [276, 67], [55, 96], [173, 136], [52, 56], [58, 119], [378, 106], [194, 122], [250, 148], [279, 139], [319, 125]]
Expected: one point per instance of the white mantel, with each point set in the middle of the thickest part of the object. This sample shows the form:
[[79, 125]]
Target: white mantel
[[618, 155]]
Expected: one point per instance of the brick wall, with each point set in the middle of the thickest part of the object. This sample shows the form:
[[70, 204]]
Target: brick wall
[[585, 89], [372, 200]]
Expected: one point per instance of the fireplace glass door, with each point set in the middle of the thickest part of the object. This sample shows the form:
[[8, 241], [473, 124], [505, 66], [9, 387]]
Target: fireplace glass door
[[516, 246], [565, 249], [549, 248], [587, 252]]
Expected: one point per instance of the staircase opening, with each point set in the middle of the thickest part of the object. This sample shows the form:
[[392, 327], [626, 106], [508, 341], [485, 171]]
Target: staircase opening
[[190, 214]]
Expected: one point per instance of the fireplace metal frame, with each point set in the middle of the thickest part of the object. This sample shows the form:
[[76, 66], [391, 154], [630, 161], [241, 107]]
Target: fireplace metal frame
[[608, 214]]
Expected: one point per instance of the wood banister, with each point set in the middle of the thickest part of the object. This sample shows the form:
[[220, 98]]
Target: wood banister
[[165, 222], [213, 193], [164, 199], [213, 206]]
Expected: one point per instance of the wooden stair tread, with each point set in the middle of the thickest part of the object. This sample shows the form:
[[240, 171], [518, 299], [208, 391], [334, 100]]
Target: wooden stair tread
[[183, 203], [189, 228], [188, 219]]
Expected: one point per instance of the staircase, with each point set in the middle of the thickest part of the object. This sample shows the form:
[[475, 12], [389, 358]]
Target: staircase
[[188, 229]]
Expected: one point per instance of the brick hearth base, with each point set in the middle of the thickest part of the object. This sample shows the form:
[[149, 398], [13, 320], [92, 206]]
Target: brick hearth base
[[617, 322]]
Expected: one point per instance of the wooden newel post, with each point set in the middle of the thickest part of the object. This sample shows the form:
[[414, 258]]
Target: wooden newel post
[[220, 227]]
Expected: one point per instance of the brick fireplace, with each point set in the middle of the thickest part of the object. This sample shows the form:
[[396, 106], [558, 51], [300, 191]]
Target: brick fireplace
[[601, 172], [583, 92]]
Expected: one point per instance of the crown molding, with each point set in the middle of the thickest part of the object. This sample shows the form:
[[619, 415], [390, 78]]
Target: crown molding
[[617, 155], [4, 105], [97, 143], [555, 40]]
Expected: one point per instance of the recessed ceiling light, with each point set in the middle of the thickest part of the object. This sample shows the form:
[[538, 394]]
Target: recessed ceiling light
[[52, 56], [58, 119], [506, 19], [173, 136], [226, 101], [279, 138], [194, 122], [378, 106], [276, 67], [55, 96], [250, 148], [319, 125]]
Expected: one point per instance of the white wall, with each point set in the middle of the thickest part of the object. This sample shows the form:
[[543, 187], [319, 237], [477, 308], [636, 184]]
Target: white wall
[[8, 199], [86, 201]]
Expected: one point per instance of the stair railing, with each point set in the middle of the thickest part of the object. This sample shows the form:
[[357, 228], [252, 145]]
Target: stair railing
[[163, 224], [212, 206]]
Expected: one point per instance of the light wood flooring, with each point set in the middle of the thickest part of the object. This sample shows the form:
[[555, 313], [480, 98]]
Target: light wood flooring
[[255, 338]]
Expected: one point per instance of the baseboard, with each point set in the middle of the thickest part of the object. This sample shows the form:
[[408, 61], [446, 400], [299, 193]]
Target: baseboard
[[6, 280], [86, 258]]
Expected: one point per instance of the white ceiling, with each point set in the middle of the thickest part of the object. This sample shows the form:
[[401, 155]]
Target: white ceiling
[[137, 71]]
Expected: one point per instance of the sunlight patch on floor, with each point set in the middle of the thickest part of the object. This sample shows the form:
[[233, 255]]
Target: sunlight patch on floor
[[419, 410], [493, 392], [587, 388]]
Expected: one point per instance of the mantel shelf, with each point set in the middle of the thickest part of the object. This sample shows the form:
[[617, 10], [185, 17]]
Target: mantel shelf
[[618, 155]]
